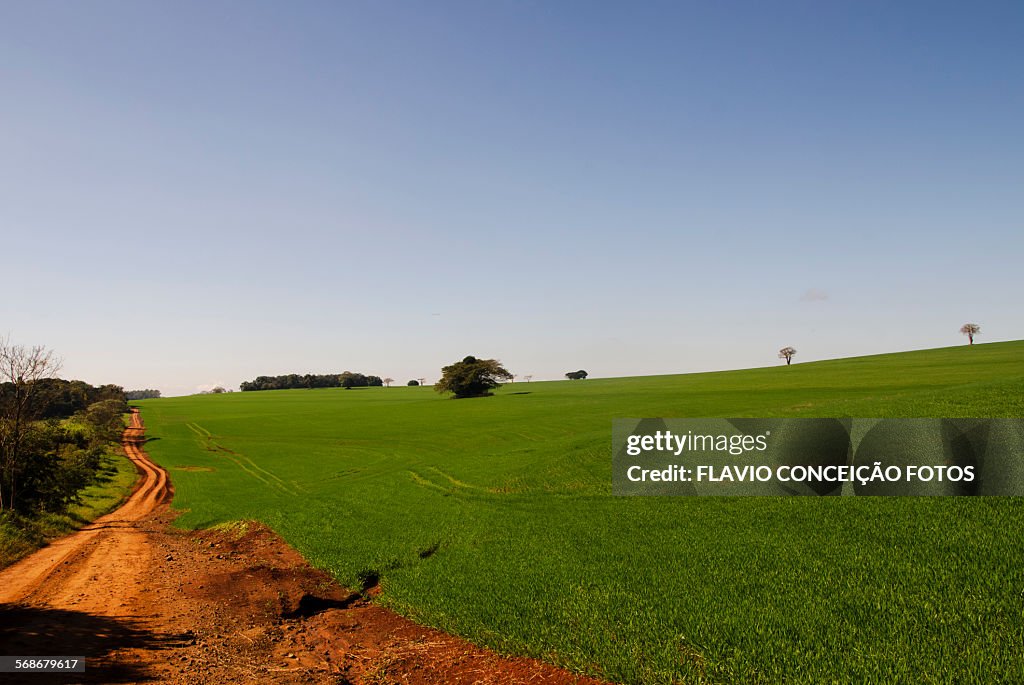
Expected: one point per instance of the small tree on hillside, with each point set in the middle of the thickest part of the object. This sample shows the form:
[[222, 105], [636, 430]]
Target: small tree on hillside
[[970, 330], [472, 377], [388, 382], [413, 383], [787, 353], [528, 377], [576, 375]]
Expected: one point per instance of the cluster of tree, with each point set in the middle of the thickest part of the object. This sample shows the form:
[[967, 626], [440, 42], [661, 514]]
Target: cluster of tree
[[358, 380], [216, 390], [52, 432], [54, 397], [347, 379], [472, 377], [576, 375], [141, 394]]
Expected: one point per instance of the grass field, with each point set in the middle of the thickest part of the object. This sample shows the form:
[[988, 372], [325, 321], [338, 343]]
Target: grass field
[[492, 518]]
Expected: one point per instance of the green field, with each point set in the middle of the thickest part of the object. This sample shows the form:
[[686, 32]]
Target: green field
[[492, 518]]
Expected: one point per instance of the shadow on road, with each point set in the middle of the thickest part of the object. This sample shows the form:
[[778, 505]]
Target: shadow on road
[[40, 631]]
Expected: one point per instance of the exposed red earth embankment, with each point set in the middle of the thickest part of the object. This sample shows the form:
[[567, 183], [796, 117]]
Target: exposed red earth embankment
[[145, 602]]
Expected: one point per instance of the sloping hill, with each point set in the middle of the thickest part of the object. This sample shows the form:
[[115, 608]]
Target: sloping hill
[[492, 518]]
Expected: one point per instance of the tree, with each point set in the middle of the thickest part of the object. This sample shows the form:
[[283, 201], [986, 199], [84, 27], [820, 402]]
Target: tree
[[472, 377], [105, 420], [787, 354], [22, 367], [413, 383], [528, 377], [352, 380], [347, 379], [388, 381], [141, 394], [970, 330], [576, 375]]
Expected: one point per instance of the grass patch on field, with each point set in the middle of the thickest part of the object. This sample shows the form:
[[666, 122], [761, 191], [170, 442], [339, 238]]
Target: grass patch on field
[[21, 535], [492, 518]]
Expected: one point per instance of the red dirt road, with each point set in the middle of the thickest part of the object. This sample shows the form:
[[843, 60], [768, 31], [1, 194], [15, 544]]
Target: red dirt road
[[72, 570], [145, 602]]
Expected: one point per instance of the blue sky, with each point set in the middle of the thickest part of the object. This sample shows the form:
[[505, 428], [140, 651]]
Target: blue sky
[[196, 193]]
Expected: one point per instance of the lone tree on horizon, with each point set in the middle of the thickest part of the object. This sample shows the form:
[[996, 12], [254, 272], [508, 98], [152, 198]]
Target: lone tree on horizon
[[472, 377], [970, 330], [577, 375], [388, 381], [787, 353]]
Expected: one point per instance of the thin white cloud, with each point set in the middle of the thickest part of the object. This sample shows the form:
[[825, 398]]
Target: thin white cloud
[[814, 295], [207, 387]]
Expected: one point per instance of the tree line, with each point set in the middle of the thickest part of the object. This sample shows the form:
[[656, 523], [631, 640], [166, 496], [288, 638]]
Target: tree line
[[53, 432], [55, 397], [346, 379], [147, 394]]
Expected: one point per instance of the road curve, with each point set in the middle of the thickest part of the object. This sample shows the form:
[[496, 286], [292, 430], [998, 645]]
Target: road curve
[[87, 569]]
